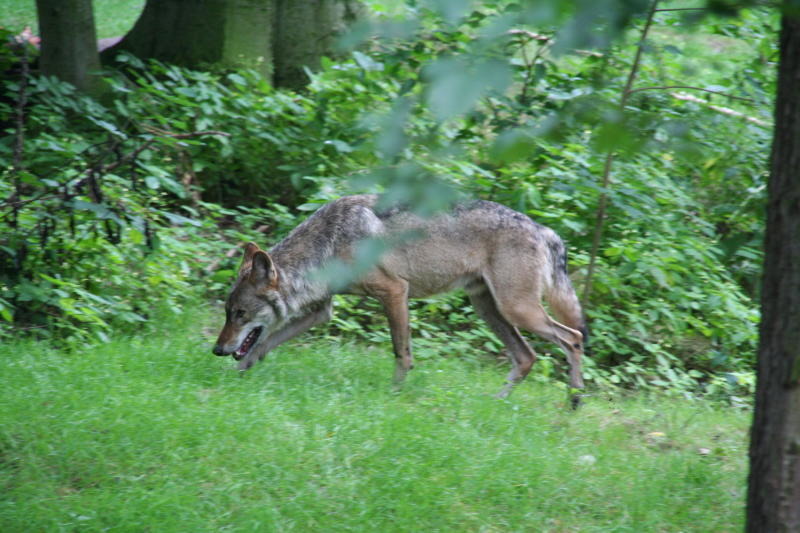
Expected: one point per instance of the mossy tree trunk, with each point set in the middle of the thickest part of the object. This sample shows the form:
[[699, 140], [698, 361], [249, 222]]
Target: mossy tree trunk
[[773, 503], [195, 33], [305, 31], [279, 38], [69, 42]]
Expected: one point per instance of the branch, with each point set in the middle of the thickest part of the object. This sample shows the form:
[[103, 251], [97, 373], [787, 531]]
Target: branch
[[531, 35], [164, 133], [544, 41], [689, 87], [15, 203], [133, 155], [19, 126], [681, 9], [609, 162], [720, 109], [233, 251]]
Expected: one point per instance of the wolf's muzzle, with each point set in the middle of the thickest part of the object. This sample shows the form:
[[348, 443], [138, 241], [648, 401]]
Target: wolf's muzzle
[[218, 350]]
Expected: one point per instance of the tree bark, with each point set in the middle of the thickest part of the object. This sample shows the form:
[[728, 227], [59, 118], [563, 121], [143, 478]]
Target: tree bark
[[279, 38], [305, 31], [773, 502], [69, 42], [193, 33]]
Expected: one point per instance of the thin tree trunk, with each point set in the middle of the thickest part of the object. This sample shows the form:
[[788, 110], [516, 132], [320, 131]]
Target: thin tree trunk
[[69, 42], [773, 502], [602, 205]]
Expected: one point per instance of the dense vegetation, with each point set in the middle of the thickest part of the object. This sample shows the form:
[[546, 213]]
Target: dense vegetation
[[120, 209]]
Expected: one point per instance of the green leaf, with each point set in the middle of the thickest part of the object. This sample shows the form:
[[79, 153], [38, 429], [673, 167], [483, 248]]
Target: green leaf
[[454, 85], [341, 146], [366, 62]]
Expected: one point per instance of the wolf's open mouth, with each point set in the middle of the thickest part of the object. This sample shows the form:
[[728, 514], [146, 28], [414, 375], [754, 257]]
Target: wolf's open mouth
[[248, 343]]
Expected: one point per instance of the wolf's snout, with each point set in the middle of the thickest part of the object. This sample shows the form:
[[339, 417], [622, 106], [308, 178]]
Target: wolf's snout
[[218, 350]]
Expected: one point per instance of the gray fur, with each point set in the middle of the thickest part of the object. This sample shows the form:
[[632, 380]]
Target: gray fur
[[505, 261]]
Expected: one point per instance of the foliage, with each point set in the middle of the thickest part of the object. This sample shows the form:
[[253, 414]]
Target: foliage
[[103, 191], [494, 100], [671, 308], [153, 432]]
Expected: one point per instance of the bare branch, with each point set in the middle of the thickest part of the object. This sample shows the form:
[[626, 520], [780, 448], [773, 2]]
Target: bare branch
[[164, 133], [19, 127], [691, 88], [681, 9], [609, 162], [720, 109], [97, 170]]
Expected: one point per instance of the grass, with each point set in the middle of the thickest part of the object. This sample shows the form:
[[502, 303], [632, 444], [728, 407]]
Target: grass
[[153, 433], [112, 17]]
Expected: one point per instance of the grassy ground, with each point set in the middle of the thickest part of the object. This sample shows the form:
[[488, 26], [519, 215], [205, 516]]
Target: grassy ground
[[156, 434], [112, 17]]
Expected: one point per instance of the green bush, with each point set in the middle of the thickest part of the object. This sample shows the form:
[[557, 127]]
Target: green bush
[[122, 206]]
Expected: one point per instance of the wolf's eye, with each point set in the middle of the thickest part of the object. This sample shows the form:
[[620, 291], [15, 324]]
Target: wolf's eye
[[239, 313]]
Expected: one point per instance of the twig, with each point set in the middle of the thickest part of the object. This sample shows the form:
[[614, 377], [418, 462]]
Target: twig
[[603, 201], [662, 10], [164, 133], [531, 35], [690, 87], [544, 41], [15, 203], [720, 109], [19, 134], [233, 251]]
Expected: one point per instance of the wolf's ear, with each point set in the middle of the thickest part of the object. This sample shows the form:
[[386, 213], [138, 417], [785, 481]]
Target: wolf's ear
[[263, 272], [250, 250]]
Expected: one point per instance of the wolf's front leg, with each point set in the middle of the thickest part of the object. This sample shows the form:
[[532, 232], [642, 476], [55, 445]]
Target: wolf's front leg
[[392, 292], [289, 331]]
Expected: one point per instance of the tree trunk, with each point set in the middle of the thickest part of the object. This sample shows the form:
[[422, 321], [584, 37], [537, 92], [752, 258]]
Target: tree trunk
[[69, 42], [773, 503], [305, 31], [193, 33], [279, 38]]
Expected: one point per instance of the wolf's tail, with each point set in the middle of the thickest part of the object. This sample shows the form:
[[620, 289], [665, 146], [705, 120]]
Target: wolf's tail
[[561, 295]]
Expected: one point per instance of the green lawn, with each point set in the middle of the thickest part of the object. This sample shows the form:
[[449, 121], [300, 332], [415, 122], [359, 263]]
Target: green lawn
[[112, 17], [154, 433]]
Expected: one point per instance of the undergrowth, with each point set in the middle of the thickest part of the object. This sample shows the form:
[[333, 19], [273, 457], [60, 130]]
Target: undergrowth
[[136, 203]]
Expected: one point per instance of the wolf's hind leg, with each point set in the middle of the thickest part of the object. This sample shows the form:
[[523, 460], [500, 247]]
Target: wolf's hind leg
[[522, 356], [532, 317]]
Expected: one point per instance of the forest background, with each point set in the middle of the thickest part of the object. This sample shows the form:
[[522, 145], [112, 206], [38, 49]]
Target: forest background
[[672, 303], [127, 219]]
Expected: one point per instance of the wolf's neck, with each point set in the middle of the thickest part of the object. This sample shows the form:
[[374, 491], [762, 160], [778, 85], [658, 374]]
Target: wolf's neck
[[297, 269]]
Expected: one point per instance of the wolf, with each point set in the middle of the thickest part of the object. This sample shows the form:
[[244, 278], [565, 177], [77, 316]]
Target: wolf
[[504, 261]]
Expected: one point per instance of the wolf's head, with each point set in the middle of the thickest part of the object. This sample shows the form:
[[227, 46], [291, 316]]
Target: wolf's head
[[254, 308]]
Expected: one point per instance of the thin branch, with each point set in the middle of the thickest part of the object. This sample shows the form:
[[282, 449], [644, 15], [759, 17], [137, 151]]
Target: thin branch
[[19, 126], [103, 169], [603, 201], [214, 265], [544, 42], [191, 134], [662, 10], [692, 88], [531, 35], [723, 110]]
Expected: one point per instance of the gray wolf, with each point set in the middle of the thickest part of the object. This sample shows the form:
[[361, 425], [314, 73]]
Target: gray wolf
[[504, 261]]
